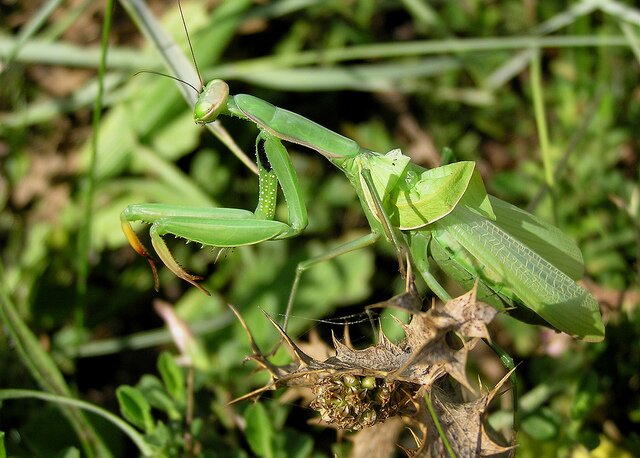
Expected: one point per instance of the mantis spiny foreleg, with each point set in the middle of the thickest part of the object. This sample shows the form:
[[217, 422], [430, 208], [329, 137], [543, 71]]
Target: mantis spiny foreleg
[[224, 227]]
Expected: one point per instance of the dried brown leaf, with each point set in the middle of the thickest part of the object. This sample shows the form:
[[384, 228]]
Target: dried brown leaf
[[378, 441], [463, 425]]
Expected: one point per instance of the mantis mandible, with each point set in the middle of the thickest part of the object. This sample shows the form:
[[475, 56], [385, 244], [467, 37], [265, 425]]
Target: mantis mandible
[[521, 263]]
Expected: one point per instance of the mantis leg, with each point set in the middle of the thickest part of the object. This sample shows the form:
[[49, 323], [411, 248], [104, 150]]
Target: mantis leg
[[219, 227], [419, 244], [403, 252], [224, 227], [347, 247], [160, 214]]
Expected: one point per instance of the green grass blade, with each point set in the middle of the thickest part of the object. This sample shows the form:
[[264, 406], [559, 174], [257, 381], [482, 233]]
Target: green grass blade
[[30, 28], [519, 62], [366, 77], [281, 8], [634, 40], [148, 339], [172, 55], [541, 119], [580, 133], [44, 370], [84, 238], [225, 20], [129, 59], [134, 435], [39, 363], [620, 11], [421, 48], [40, 51], [439, 428]]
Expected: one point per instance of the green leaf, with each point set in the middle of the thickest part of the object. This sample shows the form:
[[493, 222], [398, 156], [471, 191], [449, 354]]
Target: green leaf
[[542, 425], [294, 444], [155, 393], [163, 439], [589, 439], [172, 377], [196, 426], [585, 397], [69, 452], [134, 407], [3, 451], [259, 430]]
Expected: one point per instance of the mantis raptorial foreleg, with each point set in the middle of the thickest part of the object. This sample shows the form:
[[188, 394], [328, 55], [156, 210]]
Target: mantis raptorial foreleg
[[225, 227]]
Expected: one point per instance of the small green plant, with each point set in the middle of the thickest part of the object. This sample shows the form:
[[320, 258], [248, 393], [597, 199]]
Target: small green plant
[[173, 435]]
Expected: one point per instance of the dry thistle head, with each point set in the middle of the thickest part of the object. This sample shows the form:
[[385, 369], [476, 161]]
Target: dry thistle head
[[353, 402], [355, 389]]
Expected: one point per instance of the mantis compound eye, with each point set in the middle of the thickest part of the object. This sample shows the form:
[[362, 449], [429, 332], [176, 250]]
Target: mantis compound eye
[[211, 102]]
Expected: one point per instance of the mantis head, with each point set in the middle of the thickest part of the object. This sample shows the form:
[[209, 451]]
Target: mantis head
[[211, 102]]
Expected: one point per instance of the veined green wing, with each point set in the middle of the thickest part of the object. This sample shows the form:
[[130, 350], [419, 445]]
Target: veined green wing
[[513, 270], [543, 238]]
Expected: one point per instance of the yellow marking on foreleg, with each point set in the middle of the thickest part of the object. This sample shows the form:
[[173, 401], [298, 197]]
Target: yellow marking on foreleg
[[137, 245]]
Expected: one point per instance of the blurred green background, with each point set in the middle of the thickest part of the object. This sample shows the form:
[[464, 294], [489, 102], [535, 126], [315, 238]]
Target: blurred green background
[[419, 75]]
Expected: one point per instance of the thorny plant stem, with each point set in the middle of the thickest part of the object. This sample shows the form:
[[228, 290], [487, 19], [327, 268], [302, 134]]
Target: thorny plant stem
[[505, 358]]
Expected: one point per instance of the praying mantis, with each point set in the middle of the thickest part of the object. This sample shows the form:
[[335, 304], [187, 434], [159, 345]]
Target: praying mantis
[[521, 263]]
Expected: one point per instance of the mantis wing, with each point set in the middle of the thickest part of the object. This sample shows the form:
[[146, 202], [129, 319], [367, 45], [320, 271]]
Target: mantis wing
[[466, 242], [543, 238], [426, 196]]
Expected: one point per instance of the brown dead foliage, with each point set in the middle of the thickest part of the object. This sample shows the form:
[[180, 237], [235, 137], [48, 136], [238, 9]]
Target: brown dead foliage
[[359, 389]]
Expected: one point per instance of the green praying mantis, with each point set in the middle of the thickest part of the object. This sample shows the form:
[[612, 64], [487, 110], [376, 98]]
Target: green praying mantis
[[521, 263]]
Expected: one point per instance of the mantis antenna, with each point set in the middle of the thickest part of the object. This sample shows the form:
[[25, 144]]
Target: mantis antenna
[[175, 78], [193, 55]]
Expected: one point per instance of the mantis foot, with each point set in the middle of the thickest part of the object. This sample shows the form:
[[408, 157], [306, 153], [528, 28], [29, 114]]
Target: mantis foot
[[166, 257]]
